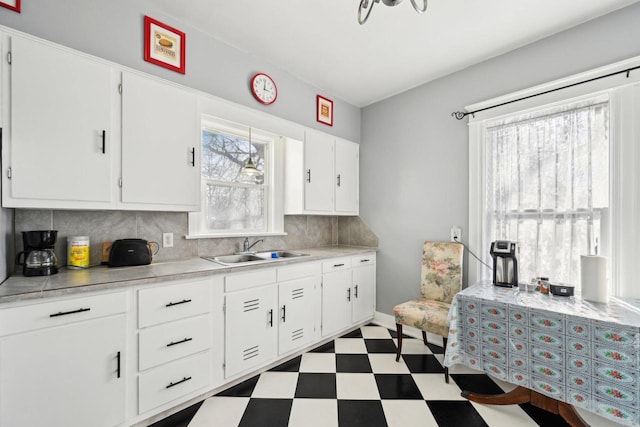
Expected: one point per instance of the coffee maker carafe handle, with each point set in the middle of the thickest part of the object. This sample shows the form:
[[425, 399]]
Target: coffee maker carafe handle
[[22, 254]]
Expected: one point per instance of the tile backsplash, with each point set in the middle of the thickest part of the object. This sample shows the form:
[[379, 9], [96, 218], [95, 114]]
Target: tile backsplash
[[105, 226]]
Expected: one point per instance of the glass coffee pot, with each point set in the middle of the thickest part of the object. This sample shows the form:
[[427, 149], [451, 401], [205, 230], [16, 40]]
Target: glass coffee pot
[[38, 257]]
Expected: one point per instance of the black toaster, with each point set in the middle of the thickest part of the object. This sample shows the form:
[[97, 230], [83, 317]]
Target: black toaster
[[127, 252]]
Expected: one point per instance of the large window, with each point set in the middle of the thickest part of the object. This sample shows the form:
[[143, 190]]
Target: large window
[[547, 186], [235, 203]]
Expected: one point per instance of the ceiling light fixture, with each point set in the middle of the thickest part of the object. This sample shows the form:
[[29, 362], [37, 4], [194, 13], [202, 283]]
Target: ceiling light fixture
[[249, 167], [367, 5]]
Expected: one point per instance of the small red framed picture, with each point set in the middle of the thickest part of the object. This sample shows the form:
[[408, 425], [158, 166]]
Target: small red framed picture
[[164, 45], [11, 4], [324, 110]]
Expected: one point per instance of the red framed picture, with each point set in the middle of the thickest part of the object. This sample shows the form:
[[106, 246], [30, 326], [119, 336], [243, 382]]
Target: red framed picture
[[11, 4], [164, 45], [324, 110]]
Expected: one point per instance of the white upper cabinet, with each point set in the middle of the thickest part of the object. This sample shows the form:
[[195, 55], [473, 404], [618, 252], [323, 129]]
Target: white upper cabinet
[[318, 170], [347, 159], [321, 175], [58, 142], [160, 145]]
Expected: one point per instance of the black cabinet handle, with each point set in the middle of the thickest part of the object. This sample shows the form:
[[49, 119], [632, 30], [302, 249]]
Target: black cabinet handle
[[270, 322], [284, 313], [172, 343], [338, 265], [355, 291], [185, 379], [104, 140], [64, 313], [338, 180], [349, 294], [193, 157], [308, 175], [118, 365], [364, 260], [184, 301]]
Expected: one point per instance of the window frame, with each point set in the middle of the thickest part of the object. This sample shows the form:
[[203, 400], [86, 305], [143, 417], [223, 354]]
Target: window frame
[[624, 230], [272, 184]]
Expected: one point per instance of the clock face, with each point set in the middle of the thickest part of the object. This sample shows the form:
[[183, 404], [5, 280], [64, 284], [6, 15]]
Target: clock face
[[264, 89]]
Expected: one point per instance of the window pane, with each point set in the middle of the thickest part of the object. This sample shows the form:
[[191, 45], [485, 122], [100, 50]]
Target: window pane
[[547, 179], [235, 208], [223, 156]]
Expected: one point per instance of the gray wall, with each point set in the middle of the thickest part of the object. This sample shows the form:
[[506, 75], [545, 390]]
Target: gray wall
[[414, 157], [113, 30]]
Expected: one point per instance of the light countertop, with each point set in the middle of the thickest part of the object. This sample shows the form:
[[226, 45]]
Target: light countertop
[[70, 281]]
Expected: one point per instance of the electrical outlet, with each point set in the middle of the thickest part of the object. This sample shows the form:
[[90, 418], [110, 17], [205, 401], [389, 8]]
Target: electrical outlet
[[167, 240], [456, 233]]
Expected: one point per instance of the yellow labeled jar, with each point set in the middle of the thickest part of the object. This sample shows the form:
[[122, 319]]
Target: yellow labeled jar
[[78, 251]]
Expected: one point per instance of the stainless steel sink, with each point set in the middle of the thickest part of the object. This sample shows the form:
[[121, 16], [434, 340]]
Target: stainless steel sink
[[244, 259], [236, 259], [285, 254]]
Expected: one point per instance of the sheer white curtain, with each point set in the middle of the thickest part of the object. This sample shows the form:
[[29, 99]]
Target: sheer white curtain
[[547, 186]]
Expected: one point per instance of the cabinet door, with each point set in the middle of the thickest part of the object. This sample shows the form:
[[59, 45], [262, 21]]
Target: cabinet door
[[160, 145], [250, 328], [64, 376], [346, 177], [297, 313], [336, 301], [60, 135], [319, 168], [364, 286]]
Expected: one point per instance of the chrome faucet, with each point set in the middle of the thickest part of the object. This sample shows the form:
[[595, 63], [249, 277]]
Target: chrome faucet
[[247, 247]]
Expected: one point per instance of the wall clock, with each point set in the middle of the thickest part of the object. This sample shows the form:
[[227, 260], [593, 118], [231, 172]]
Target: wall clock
[[264, 88]]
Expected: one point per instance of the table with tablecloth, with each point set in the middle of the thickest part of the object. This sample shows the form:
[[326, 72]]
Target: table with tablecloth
[[579, 352]]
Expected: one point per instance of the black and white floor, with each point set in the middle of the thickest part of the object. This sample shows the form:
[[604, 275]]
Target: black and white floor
[[354, 381]]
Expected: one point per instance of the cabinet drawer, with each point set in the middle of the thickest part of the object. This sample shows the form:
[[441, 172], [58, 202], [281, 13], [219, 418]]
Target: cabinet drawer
[[298, 271], [366, 259], [336, 264], [30, 317], [171, 341], [169, 382], [250, 279], [173, 302]]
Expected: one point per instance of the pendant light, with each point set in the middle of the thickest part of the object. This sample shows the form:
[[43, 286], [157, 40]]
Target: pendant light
[[249, 167]]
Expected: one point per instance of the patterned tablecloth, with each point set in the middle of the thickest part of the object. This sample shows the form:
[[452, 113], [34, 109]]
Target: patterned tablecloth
[[583, 353]]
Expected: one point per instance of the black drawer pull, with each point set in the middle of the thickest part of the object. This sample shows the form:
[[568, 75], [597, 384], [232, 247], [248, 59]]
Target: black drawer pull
[[184, 301], [185, 379], [193, 157], [338, 265], [118, 364], [179, 342], [364, 260], [64, 313], [104, 140]]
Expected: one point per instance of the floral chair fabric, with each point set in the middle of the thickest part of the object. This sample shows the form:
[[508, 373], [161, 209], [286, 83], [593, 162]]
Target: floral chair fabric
[[441, 280]]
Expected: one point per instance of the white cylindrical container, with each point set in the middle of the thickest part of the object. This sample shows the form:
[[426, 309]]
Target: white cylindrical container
[[78, 251], [593, 278]]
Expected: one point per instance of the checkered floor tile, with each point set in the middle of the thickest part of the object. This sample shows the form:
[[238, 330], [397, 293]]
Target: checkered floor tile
[[355, 381]]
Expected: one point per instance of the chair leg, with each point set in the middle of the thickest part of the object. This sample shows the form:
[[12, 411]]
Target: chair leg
[[399, 330], [424, 337], [446, 370]]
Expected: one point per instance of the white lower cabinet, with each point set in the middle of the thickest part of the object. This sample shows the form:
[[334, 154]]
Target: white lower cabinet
[[275, 317], [348, 292], [364, 287], [175, 335], [68, 375]]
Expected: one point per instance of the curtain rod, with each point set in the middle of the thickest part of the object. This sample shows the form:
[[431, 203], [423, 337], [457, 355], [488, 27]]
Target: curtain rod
[[461, 115]]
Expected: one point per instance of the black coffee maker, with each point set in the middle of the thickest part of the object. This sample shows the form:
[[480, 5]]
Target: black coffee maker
[[38, 257], [505, 263]]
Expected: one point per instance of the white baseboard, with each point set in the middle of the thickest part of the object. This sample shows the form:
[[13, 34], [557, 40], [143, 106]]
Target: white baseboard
[[389, 322]]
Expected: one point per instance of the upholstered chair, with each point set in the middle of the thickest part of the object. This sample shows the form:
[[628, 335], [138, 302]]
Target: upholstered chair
[[441, 280]]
